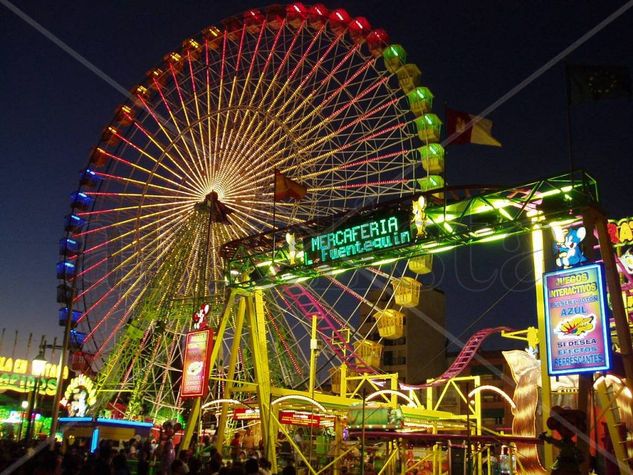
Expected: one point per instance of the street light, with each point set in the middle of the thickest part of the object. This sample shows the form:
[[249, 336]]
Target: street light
[[25, 405], [38, 365]]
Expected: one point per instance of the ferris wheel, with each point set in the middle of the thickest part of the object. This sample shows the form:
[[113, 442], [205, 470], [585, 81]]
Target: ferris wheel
[[188, 164]]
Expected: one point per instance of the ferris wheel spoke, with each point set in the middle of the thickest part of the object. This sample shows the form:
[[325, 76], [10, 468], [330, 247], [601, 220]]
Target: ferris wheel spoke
[[254, 134], [148, 172], [387, 157], [149, 245], [175, 122], [314, 131], [119, 224], [129, 288], [179, 137], [364, 139], [333, 96], [263, 135], [199, 118], [248, 220], [339, 131], [84, 214], [234, 160], [188, 173], [157, 227], [199, 161]]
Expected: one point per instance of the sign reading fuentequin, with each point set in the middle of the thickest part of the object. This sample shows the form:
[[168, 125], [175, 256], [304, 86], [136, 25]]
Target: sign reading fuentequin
[[576, 320], [361, 235]]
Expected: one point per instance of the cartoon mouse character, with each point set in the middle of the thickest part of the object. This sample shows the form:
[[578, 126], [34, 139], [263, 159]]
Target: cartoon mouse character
[[567, 246], [568, 423]]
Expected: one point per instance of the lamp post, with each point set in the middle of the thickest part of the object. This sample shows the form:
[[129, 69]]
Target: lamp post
[[25, 405], [38, 365]]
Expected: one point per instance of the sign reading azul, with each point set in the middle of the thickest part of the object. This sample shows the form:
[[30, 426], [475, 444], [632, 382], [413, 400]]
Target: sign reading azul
[[359, 235], [575, 320]]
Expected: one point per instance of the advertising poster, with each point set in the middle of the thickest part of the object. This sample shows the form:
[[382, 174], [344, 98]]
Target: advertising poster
[[195, 372], [576, 320]]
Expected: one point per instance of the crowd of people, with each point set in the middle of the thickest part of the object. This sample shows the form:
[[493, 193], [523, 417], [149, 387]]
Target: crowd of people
[[134, 457]]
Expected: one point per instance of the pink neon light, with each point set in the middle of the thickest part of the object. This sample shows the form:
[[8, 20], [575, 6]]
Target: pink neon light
[[375, 183]]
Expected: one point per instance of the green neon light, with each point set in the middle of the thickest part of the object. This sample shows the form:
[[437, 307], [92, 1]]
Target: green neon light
[[365, 235], [497, 237], [441, 249], [384, 261]]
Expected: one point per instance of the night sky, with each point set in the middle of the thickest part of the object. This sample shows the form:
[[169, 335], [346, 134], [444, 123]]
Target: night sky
[[471, 54]]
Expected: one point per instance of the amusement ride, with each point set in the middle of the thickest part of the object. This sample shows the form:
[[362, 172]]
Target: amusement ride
[[280, 178]]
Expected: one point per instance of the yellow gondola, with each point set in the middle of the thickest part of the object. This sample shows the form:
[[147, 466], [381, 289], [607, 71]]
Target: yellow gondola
[[390, 324], [369, 351], [406, 291], [421, 264]]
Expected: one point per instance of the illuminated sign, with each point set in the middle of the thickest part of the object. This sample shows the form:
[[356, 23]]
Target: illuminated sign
[[621, 232], [195, 372], [575, 320], [79, 396], [361, 235], [245, 414], [15, 375], [306, 419]]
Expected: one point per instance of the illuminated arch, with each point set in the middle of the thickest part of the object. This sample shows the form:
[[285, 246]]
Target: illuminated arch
[[495, 389], [410, 401]]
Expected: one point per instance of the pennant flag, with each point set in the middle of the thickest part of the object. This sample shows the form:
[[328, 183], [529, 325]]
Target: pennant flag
[[286, 189], [479, 131], [593, 83]]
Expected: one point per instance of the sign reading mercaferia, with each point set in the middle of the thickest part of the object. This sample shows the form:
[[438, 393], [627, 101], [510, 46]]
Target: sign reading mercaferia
[[361, 235], [576, 320]]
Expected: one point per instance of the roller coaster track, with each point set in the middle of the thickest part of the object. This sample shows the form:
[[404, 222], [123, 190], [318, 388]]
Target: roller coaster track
[[464, 358], [327, 327]]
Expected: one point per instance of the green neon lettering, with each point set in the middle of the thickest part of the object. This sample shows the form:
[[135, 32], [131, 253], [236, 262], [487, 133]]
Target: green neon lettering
[[392, 224], [373, 229], [405, 236], [331, 241], [340, 238], [349, 237], [364, 234]]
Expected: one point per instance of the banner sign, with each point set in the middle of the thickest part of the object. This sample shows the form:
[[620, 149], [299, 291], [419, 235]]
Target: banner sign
[[305, 419], [15, 375], [245, 414], [195, 374], [621, 231], [576, 320]]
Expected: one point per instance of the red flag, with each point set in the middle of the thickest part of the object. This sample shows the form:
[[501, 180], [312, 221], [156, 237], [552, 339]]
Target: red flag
[[286, 189], [462, 127]]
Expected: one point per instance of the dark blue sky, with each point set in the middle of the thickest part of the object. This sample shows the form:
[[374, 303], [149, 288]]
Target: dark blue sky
[[471, 53]]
